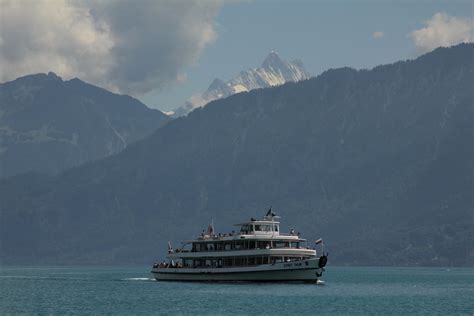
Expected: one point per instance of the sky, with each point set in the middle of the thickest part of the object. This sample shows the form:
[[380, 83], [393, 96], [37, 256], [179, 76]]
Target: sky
[[163, 52]]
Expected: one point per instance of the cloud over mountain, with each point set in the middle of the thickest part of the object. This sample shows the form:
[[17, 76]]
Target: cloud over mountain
[[443, 30], [131, 48]]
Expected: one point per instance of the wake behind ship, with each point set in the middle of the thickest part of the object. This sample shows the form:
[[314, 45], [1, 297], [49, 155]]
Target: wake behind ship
[[257, 252]]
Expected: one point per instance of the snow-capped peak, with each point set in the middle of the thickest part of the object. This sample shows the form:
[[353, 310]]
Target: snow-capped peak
[[273, 72], [273, 60], [217, 84]]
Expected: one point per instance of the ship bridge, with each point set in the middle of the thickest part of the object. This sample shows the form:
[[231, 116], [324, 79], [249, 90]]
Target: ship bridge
[[267, 226]]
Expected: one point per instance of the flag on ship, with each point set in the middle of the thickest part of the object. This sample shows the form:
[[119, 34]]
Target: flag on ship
[[269, 211], [318, 241]]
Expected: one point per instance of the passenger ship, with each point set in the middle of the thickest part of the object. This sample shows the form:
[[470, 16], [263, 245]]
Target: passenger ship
[[257, 252]]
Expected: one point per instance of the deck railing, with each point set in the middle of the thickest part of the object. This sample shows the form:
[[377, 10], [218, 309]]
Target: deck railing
[[234, 249]]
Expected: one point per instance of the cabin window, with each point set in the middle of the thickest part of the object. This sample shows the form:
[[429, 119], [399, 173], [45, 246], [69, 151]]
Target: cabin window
[[239, 261], [228, 246], [252, 244], [275, 228], [239, 245], [263, 228], [246, 229], [263, 244], [281, 244], [292, 259]]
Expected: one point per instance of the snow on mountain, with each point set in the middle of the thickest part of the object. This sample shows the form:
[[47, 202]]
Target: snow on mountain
[[273, 72]]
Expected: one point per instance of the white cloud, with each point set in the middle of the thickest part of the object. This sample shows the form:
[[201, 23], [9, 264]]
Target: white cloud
[[443, 30], [39, 36], [132, 47], [378, 34]]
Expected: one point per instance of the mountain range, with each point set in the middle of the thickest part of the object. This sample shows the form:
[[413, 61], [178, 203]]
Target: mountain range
[[379, 163], [273, 72], [48, 125]]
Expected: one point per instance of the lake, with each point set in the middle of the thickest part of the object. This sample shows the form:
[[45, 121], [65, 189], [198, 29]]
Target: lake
[[131, 290]]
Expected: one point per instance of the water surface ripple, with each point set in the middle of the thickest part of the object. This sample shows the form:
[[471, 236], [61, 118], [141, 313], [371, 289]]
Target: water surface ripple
[[131, 290]]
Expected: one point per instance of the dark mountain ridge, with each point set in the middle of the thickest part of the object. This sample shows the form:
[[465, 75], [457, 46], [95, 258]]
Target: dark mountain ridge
[[378, 162], [48, 125]]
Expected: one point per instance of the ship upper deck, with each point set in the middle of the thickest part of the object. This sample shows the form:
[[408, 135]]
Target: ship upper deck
[[266, 229]]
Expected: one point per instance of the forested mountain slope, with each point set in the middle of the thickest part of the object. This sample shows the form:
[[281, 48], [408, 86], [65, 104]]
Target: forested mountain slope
[[380, 163]]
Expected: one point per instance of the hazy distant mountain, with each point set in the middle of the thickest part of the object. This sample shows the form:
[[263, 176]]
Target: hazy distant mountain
[[273, 72], [380, 163], [47, 124]]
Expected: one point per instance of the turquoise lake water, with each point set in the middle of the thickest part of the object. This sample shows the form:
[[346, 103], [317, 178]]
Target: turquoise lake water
[[131, 290]]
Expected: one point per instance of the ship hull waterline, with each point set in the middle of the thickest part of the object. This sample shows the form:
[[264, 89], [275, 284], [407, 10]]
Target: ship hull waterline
[[280, 272]]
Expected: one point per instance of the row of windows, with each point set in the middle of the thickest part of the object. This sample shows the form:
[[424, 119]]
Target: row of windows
[[243, 245], [237, 261], [247, 229]]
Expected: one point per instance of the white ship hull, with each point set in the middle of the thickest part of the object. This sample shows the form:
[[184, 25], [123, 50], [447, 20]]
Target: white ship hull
[[307, 270]]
